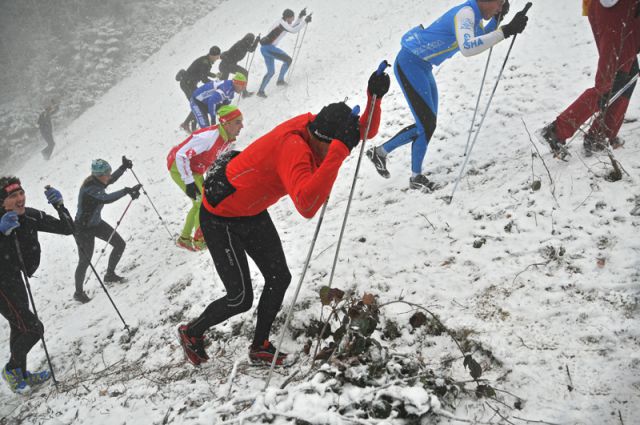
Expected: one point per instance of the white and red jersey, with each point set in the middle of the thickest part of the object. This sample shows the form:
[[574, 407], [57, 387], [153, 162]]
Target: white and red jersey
[[198, 151]]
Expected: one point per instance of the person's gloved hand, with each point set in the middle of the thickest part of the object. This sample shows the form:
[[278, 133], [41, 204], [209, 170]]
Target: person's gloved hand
[[126, 163], [516, 26], [53, 196], [505, 9], [9, 222], [134, 191], [349, 135], [192, 191], [307, 19], [302, 13], [378, 84]]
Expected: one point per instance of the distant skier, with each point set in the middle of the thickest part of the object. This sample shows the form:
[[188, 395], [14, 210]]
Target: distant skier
[[230, 58], [26, 329], [461, 29], [271, 53], [616, 29], [89, 223], [188, 162], [300, 158], [198, 71], [208, 97], [46, 129]]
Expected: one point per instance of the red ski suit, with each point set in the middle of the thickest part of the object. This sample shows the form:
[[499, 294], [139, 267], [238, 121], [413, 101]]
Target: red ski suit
[[617, 34], [280, 163]]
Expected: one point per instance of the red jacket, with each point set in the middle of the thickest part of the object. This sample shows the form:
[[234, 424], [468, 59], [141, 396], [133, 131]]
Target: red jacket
[[280, 163]]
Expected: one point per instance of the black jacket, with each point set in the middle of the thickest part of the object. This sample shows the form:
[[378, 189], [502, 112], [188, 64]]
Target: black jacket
[[31, 222], [200, 70], [92, 198], [238, 51]]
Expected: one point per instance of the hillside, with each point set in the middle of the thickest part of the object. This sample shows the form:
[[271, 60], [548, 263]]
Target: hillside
[[541, 286]]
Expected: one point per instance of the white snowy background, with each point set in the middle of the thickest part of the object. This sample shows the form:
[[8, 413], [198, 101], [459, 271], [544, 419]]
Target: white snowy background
[[551, 322]]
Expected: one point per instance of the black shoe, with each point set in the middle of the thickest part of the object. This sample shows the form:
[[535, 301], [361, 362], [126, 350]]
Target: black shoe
[[282, 83], [261, 94], [264, 354], [112, 277], [593, 143], [193, 347], [380, 162], [81, 297], [421, 182], [557, 146], [247, 93]]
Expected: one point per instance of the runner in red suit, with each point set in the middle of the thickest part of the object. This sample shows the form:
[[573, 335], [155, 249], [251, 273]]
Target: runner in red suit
[[616, 29], [300, 158]]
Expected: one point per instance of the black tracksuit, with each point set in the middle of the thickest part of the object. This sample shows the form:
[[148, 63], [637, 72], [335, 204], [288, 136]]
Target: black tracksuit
[[229, 59], [89, 224], [230, 239], [26, 329], [46, 129]]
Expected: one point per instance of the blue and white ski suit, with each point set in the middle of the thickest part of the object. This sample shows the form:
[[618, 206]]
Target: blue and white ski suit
[[206, 99], [461, 29], [271, 52]]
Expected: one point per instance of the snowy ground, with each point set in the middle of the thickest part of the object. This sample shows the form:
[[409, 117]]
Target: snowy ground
[[550, 321]]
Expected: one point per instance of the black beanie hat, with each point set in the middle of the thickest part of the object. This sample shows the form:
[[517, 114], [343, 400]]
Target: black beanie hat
[[331, 118], [288, 13], [214, 51], [8, 185]]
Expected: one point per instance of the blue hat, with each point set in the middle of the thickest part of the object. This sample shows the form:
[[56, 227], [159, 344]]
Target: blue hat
[[100, 167]]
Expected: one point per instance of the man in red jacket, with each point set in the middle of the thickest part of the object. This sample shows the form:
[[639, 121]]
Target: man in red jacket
[[300, 158], [616, 29]]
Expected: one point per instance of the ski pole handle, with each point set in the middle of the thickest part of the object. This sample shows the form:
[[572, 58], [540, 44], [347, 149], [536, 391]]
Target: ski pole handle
[[384, 65], [527, 7]]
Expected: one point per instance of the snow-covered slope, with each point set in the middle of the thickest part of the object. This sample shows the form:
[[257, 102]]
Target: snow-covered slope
[[552, 293]]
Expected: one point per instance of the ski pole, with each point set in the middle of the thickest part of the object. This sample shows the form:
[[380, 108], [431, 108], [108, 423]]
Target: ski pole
[[475, 111], [611, 101], [151, 202], [383, 65], [296, 56], [486, 110], [295, 296], [33, 304], [484, 77], [65, 213], [115, 229]]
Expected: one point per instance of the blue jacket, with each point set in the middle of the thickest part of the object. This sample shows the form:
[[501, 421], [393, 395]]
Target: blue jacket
[[438, 42], [215, 93], [92, 198]]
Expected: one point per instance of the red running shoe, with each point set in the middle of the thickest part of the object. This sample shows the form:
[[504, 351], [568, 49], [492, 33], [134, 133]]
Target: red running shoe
[[193, 347], [264, 354]]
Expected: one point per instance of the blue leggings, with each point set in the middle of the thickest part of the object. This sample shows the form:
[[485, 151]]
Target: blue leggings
[[201, 112], [419, 88], [271, 53]]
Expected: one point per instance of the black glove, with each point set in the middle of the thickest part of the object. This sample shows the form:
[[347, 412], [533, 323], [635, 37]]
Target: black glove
[[350, 133], [192, 191], [134, 191], [505, 9], [126, 163], [302, 13], [516, 26], [307, 19], [378, 84]]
